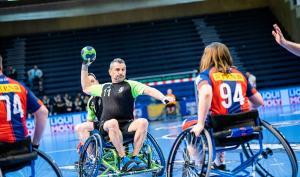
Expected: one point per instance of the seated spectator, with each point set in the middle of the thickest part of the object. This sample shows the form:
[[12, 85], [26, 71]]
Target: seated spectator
[[78, 104], [47, 103], [171, 106], [59, 105], [69, 103], [12, 73]]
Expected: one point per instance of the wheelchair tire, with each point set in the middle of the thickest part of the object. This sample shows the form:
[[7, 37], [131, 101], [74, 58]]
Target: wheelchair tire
[[160, 154], [180, 146], [90, 157], [44, 166], [267, 167], [50, 161]]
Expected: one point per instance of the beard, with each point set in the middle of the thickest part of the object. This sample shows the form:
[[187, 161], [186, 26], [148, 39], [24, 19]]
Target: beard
[[120, 78]]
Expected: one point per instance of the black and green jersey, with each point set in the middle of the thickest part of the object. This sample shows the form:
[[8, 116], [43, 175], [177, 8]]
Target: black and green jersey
[[94, 108], [118, 99]]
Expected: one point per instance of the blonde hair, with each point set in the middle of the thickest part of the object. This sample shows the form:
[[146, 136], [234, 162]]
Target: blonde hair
[[216, 55]]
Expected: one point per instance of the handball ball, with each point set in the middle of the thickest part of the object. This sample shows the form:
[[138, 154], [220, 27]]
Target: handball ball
[[88, 54]]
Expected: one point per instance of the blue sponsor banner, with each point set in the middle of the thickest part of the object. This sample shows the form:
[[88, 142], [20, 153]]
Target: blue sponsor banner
[[30, 126], [271, 97], [294, 95], [63, 123], [281, 97]]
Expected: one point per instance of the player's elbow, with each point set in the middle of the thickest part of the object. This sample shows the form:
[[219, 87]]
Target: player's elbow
[[44, 111], [86, 91], [257, 100], [41, 113]]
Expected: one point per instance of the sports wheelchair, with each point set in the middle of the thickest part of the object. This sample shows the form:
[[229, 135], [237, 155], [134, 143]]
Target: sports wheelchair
[[100, 158], [21, 159], [262, 150]]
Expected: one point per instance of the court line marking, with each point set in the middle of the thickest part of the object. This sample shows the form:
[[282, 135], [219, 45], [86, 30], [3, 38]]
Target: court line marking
[[58, 151], [168, 127], [290, 114]]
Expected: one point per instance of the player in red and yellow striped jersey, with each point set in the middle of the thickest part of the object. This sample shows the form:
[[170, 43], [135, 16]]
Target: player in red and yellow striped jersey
[[222, 88], [15, 101]]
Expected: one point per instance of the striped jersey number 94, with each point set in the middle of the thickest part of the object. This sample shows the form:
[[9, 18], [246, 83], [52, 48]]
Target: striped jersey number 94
[[226, 95], [17, 106]]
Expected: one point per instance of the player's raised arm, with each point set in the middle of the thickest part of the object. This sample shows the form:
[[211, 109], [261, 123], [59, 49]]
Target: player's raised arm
[[84, 79], [288, 45]]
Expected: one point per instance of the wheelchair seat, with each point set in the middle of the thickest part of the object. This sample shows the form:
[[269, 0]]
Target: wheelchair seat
[[127, 138], [14, 156], [219, 123], [246, 136]]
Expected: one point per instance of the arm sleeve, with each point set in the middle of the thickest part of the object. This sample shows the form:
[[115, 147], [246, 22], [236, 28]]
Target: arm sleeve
[[203, 76], [33, 103], [96, 90], [137, 88], [90, 112], [250, 90]]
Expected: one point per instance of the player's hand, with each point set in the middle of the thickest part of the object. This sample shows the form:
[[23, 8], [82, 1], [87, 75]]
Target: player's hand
[[88, 62], [278, 35], [168, 99], [197, 129]]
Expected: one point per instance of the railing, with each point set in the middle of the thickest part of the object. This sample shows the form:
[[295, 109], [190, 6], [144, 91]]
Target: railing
[[166, 77]]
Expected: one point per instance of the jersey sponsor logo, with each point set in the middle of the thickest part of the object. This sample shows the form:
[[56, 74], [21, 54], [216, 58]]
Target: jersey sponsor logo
[[107, 91], [121, 89], [228, 77], [6, 88]]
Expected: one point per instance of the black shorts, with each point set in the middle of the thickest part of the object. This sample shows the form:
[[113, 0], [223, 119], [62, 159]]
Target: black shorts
[[124, 125]]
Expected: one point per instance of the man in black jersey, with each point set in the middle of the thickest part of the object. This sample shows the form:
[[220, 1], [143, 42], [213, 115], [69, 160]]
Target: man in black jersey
[[118, 103]]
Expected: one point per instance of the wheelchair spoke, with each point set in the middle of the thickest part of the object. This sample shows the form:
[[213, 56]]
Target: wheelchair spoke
[[89, 159], [189, 156], [277, 157]]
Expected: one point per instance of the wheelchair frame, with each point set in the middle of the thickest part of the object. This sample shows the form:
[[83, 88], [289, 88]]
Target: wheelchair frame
[[107, 160], [252, 158], [31, 163]]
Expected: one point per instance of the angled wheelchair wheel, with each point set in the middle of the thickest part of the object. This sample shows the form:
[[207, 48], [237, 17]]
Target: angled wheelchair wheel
[[43, 166], [190, 156], [278, 158], [90, 157], [157, 156]]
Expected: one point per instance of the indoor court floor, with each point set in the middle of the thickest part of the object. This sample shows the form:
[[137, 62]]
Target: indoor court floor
[[62, 147]]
